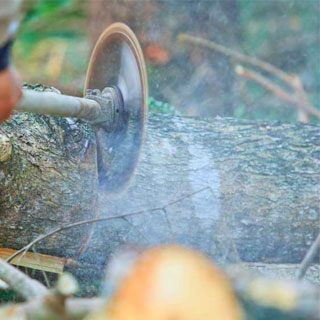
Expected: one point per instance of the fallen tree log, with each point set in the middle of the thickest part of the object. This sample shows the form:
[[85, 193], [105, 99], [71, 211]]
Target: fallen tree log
[[259, 181], [260, 185]]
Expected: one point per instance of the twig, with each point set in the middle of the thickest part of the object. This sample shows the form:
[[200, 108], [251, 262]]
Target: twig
[[90, 221], [169, 224], [185, 197], [135, 228], [264, 82], [182, 37], [95, 207], [20, 282], [298, 98], [307, 260], [302, 99], [43, 272]]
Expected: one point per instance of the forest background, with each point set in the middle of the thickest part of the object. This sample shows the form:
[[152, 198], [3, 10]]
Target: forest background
[[57, 36]]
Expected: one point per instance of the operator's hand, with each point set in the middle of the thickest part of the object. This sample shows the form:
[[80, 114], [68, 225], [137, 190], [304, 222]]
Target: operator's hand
[[10, 92]]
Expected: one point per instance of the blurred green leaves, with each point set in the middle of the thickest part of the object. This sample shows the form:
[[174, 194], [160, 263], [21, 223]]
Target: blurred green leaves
[[52, 46], [47, 19], [285, 34], [161, 107]]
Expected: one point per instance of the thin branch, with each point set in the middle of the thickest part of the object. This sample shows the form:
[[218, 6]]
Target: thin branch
[[303, 98], [43, 272], [66, 227], [95, 207], [185, 197], [185, 38], [135, 228], [266, 83], [169, 224], [307, 260], [298, 98], [21, 283], [90, 221]]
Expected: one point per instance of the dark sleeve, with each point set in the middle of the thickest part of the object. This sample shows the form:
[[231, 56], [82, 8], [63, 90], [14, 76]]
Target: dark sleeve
[[5, 51]]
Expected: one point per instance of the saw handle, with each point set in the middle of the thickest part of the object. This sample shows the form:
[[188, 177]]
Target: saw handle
[[55, 104]]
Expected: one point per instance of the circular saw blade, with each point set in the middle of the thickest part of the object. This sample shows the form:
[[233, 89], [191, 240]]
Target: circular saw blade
[[117, 61]]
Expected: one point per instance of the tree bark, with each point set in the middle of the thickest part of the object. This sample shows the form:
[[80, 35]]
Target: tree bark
[[47, 178], [263, 201], [259, 180]]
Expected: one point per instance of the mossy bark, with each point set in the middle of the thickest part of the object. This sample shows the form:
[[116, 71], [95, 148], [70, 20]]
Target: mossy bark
[[260, 201], [47, 179]]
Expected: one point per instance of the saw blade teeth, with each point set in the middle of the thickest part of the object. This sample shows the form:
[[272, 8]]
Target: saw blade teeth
[[117, 62]]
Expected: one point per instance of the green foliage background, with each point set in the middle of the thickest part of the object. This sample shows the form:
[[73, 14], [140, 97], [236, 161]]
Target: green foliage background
[[285, 33]]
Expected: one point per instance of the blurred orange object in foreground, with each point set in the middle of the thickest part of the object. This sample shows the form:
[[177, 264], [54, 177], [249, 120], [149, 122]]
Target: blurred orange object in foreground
[[156, 54], [172, 282]]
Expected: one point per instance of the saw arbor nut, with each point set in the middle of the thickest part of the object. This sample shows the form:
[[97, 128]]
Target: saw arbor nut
[[111, 104]]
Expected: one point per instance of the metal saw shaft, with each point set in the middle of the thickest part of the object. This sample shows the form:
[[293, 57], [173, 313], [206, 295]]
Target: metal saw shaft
[[51, 103], [101, 110]]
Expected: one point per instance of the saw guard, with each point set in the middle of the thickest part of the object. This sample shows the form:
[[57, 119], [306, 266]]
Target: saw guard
[[117, 61]]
